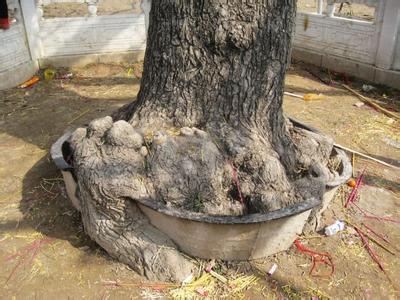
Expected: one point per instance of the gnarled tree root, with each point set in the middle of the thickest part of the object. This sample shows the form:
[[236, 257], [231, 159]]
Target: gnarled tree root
[[109, 163], [187, 169]]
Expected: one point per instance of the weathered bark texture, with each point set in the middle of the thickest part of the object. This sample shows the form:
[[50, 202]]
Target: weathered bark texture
[[206, 134]]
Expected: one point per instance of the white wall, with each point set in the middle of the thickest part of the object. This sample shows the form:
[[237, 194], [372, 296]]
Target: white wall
[[356, 47], [396, 63], [16, 64], [365, 49], [368, 50], [92, 35], [352, 39], [13, 50]]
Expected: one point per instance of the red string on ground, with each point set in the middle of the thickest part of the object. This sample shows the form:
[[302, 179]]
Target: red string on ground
[[381, 236], [372, 253], [374, 256], [31, 250], [317, 257], [366, 214], [353, 194], [369, 215]]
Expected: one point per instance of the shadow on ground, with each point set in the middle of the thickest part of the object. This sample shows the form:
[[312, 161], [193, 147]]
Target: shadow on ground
[[32, 120]]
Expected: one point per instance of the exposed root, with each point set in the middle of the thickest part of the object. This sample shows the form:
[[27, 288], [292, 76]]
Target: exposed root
[[110, 169], [187, 169]]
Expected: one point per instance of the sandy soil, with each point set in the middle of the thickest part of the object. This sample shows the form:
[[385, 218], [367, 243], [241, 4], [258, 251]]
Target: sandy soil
[[45, 253]]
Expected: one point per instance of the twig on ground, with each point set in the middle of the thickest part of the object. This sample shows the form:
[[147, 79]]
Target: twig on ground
[[309, 237], [156, 285], [372, 103], [79, 116], [218, 276], [365, 156], [53, 179], [306, 97], [293, 95]]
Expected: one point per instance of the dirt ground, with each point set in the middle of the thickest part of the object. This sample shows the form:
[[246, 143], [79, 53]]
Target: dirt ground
[[44, 252]]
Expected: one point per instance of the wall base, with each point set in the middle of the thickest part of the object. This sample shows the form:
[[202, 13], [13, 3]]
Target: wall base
[[85, 59], [17, 75], [357, 69]]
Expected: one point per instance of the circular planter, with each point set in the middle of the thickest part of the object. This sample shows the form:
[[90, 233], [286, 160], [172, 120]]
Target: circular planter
[[245, 237]]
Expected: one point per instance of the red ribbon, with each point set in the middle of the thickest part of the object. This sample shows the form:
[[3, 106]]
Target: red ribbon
[[317, 257]]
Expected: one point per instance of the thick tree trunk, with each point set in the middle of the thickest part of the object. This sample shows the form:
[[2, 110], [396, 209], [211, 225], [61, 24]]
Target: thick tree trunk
[[206, 134], [208, 62]]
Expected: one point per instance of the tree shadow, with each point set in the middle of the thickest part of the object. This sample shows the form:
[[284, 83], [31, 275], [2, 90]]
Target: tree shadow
[[44, 204], [379, 182], [388, 160]]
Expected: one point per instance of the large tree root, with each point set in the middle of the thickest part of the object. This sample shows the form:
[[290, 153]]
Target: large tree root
[[187, 169], [109, 162]]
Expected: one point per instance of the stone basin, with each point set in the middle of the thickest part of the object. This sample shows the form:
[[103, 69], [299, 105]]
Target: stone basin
[[251, 236]]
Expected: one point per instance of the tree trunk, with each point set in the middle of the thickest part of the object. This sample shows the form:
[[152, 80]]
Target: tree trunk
[[215, 63], [206, 134]]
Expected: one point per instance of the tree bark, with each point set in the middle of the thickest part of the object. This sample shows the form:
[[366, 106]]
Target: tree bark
[[213, 62], [206, 133]]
